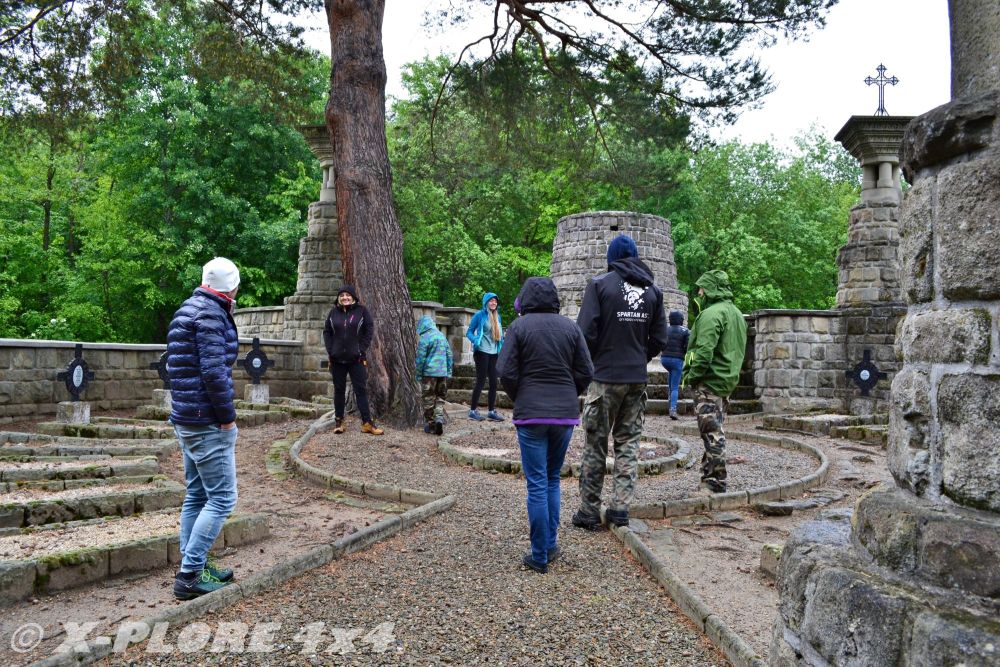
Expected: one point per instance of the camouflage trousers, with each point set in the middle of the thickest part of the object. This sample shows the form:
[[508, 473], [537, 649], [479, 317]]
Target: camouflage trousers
[[432, 394], [618, 409], [711, 412]]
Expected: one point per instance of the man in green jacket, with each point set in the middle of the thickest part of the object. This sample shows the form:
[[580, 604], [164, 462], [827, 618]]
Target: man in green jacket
[[712, 367]]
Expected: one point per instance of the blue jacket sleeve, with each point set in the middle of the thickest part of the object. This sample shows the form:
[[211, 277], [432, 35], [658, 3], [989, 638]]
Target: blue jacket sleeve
[[472, 333]]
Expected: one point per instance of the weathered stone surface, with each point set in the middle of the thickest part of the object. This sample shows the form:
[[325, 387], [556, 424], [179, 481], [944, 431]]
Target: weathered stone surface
[[975, 56], [968, 414], [11, 516], [959, 127], [138, 556], [953, 639], [969, 246], [73, 412], [70, 570], [770, 556], [851, 619], [909, 418], [954, 335], [815, 543], [961, 554], [39, 514], [17, 581], [886, 525]]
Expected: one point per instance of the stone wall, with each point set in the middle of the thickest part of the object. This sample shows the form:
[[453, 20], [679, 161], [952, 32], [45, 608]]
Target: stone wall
[[580, 252], [122, 376], [266, 322]]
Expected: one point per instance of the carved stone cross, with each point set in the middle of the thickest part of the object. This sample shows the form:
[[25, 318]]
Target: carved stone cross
[[77, 375], [866, 374], [256, 362]]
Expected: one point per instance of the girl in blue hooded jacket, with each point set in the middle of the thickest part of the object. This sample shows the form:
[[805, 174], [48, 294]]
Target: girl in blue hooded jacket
[[486, 334]]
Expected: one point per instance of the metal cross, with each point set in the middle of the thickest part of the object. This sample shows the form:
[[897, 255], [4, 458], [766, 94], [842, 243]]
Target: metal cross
[[881, 82], [866, 374], [161, 369], [256, 362], [77, 375]]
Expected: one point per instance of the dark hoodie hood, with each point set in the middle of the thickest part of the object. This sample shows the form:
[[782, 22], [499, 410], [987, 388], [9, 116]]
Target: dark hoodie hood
[[538, 295], [675, 317], [716, 285], [350, 290], [633, 271]]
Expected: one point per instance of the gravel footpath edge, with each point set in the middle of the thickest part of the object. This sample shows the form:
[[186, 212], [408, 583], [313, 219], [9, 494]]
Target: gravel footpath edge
[[736, 649], [429, 504]]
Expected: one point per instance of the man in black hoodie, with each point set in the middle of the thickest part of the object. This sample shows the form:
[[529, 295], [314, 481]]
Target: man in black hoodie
[[623, 323]]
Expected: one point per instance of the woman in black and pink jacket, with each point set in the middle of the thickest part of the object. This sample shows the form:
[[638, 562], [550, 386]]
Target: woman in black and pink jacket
[[347, 334]]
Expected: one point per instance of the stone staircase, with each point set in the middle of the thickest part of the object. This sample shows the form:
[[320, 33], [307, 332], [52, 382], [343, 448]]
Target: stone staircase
[[658, 391]]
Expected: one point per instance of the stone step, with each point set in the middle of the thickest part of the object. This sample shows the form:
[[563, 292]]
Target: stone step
[[82, 467], [39, 507], [47, 445], [246, 414], [821, 424], [119, 431], [69, 568], [875, 435]]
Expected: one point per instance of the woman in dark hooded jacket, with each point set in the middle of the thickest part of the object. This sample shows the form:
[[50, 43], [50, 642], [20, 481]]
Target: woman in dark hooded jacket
[[347, 334], [544, 366], [673, 355]]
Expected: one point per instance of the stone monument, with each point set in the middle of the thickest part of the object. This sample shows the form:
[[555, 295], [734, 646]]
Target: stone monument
[[76, 378], [913, 579], [579, 252]]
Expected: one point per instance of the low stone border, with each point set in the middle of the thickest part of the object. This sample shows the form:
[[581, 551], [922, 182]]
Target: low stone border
[[122, 466], [245, 415], [319, 556], [62, 484], [106, 431], [736, 649], [20, 579], [167, 493], [737, 499], [497, 464], [40, 444], [821, 423]]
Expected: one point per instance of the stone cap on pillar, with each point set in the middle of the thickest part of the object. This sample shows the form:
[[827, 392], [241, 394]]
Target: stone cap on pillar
[[321, 145], [874, 141]]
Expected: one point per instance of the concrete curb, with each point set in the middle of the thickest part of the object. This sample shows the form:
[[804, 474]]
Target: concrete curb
[[721, 635], [737, 499], [497, 464]]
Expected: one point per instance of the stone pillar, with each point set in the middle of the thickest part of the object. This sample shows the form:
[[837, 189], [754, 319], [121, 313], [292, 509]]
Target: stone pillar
[[321, 270], [458, 323], [913, 579], [868, 292], [579, 252]]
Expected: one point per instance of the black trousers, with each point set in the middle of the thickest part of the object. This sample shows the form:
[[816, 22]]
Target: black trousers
[[486, 367], [359, 381]]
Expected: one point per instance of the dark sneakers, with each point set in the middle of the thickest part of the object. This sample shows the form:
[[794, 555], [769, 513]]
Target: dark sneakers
[[223, 574], [532, 564], [618, 517], [494, 416], [429, 428], [190, 585], [586, 522], [439, 426]]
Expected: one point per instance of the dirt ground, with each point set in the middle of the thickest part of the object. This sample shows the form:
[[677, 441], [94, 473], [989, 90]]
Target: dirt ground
[[501, 442], [300, 517], [718, 554]]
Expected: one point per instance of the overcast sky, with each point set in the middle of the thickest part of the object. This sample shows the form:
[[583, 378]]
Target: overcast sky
[[818, 82]]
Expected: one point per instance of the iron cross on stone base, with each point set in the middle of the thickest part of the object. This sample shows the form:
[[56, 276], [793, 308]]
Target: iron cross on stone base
[[77, 375], [866, 374], [256, 362]]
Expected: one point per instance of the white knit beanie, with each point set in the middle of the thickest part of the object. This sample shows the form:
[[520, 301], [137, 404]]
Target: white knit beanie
[[221, 275]]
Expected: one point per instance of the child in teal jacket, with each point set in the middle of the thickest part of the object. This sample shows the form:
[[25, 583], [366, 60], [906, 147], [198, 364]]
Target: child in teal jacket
[[434, 367]]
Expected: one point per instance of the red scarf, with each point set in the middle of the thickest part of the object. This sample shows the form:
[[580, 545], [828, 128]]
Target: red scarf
[[228, 299]]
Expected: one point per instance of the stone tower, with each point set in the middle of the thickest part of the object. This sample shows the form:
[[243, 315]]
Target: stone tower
[[580, 249], [913, 579]]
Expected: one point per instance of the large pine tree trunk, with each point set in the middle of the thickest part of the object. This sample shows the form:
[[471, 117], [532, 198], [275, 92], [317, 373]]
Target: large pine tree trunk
[[370, 235]]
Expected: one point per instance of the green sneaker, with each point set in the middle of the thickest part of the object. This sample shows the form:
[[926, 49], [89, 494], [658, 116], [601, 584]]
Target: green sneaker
[[223, 574], [189, 585]]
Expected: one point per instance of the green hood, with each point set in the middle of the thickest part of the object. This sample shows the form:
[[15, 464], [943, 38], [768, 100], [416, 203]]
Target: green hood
[[716, 285]]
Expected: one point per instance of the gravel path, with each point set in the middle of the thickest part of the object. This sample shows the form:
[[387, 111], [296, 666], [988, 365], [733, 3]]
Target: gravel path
[[454, 588], [501, 442]]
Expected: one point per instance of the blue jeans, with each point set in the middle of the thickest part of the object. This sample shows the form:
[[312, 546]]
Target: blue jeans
[[674, 366], [543, 448], [210, 474]]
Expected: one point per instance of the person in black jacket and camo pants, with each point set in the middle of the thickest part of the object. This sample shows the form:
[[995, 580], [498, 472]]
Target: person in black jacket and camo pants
[[673, 355]]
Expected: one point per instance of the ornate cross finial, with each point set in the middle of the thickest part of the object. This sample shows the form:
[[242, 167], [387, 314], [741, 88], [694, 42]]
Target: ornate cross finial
[[866, 374], [77, 375], [881, 82], [161, 369], [256, 362]]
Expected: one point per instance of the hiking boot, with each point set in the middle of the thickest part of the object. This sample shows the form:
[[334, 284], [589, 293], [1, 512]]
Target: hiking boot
[[494, 416], [338, 428], [371, 428], [439, 426], [532, 564], [223, 574], [618, 517], [554, 554], [474, 415], [189, 585], [586, 522], [673, 415]]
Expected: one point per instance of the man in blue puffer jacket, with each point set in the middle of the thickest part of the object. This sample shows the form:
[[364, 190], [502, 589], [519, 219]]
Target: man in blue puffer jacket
[[202, 346]]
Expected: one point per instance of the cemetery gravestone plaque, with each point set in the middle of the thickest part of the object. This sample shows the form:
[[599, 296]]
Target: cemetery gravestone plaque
[[76, 377], [866, 374], [256, 364]]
